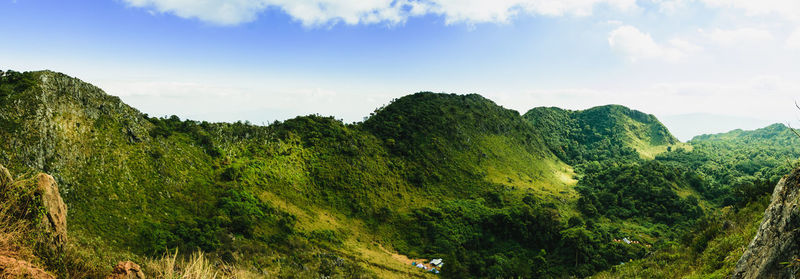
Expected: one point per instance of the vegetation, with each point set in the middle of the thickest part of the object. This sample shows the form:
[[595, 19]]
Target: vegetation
[[600, 133], [739, 166], [710, 250], [643, 191], [496, 194]]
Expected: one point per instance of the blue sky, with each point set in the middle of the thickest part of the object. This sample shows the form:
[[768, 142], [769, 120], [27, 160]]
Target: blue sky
[[700, 65]]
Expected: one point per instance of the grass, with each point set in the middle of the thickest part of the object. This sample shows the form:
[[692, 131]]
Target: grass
[[337, 189], [197, 266], [691, 259], [22, 236]]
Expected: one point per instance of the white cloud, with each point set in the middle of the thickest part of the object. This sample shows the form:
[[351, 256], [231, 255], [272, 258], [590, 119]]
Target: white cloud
[[637, 45], [793, 42], [740, 36], [320, 12], [788, 9], [684, 46], [670, 6]]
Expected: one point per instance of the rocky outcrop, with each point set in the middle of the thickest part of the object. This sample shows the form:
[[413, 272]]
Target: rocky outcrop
[[126, 270], [775, 250], [55, 209], [13, 268], [36, 204]]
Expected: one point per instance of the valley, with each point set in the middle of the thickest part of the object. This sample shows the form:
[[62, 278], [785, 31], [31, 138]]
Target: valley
[[605, 192]]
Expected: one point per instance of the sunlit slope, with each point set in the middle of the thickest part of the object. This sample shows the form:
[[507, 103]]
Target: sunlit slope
[[451, 140], [603, 132], [303, 193]]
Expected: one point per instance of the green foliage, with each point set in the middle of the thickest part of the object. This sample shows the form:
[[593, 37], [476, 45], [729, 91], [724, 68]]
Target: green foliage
[[14, 82], [598, 134], [441, 136], [431, 175], [737, 167], [237, 212], [708, 250], [164, 127], [636, 190]]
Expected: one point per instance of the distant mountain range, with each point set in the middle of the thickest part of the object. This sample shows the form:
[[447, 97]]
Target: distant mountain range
[[687, 126]]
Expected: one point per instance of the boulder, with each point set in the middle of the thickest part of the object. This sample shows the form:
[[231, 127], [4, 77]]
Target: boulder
[[55, 209], [126, 270], [775, 250], [13, 268]]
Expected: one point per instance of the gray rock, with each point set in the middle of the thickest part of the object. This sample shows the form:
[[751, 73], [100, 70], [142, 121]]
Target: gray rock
[[775, 250]]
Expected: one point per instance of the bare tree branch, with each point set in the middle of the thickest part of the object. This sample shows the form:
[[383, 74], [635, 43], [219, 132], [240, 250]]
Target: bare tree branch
[[793, 130]]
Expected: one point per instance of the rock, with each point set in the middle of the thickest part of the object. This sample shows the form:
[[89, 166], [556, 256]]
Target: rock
[[13, 268], [775, 250], [55, 208], [126, 270]]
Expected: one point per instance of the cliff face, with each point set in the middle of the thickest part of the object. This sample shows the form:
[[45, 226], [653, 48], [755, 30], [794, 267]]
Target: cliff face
[[775, 250]]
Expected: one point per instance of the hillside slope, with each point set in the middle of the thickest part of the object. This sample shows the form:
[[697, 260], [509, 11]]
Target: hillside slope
[[427, 176], [736, 172], [317, 196], [742, 165], [599, 133], [774, 251]]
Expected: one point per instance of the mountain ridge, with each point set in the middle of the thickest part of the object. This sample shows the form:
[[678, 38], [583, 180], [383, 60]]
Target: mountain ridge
[[614, 128], [422, 176]]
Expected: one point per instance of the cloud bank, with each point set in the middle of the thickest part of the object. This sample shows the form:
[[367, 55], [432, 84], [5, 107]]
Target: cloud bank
[[352, 12], [637, 45]]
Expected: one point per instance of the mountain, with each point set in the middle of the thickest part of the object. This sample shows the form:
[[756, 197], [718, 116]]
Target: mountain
[[430, 175], [686, 126], [449, 139], [313, 192], [600, 133], [736, 173], [742, 165]]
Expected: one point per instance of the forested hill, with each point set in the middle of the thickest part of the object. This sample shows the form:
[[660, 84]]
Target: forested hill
[[430, 175], [600, 133], [449, 139], [311, 193], [737, 172], [742, 165]]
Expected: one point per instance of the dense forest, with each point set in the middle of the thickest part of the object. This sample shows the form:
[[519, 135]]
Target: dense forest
[[551, 193]]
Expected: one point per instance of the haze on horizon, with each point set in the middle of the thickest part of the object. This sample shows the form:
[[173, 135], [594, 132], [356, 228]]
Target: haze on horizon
[[701, 66]]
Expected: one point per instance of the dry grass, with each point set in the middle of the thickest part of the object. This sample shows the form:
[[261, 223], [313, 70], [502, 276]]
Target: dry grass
[[197, 266], [12, 230], [22, 239], [12, 234]]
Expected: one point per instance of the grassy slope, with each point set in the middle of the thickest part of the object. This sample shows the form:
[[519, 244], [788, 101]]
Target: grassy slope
[[577, 136], [329, 184], [745, 163], [457, 137], [711, 252], [323, 190]]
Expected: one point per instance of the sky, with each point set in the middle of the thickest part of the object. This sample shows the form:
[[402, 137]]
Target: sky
[[701, 66]]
